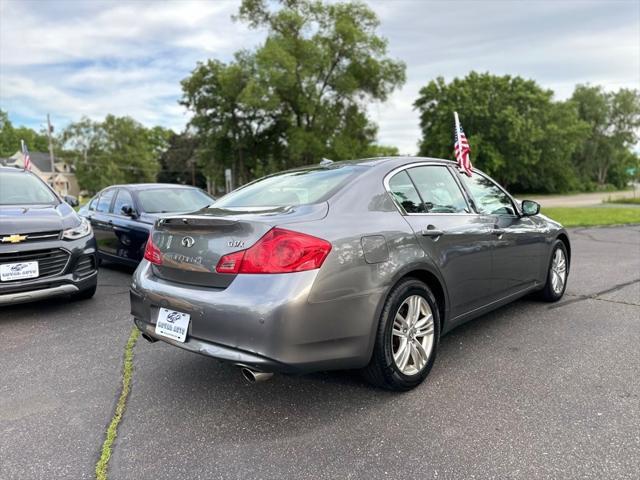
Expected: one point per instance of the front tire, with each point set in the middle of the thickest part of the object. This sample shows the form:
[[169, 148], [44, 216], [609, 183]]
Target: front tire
[[407, 338], [557, 273]]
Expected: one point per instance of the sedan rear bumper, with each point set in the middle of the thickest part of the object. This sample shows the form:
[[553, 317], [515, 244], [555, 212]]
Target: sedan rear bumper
[[220, 352], [267, 322]]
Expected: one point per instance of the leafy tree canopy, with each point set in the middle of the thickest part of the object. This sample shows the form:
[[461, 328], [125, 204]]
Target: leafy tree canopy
[[116, 150], [298, 97], [613, 119], [10, 137], [517, 133]]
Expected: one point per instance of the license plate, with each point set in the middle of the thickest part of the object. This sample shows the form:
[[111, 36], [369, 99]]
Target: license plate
[[172, 324], [18, 271]]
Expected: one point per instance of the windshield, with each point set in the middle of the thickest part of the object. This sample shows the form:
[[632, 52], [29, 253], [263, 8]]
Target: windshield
[[289, 188], [24, 189], [170, 200]]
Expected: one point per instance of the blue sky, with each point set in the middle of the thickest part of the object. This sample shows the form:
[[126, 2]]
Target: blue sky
[[74, 58]]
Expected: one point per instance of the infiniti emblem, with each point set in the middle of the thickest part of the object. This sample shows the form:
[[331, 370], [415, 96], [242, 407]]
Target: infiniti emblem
[[188, 242]]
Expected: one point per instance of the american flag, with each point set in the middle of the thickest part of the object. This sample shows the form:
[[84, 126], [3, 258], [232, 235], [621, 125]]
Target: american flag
[[25, 156], [461, 148]]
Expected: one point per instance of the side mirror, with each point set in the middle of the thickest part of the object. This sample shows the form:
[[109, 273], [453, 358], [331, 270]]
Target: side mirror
[[71, 200], [127, 210], [529, 208]]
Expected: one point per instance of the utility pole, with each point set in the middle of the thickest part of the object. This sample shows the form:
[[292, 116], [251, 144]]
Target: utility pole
[[49, 129]]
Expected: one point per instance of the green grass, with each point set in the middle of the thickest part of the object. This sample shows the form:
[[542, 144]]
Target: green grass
[[592, 216], [112, 430]]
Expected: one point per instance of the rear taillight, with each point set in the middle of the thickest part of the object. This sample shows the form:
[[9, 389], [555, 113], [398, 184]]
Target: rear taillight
[[151, 252], [278, 251]]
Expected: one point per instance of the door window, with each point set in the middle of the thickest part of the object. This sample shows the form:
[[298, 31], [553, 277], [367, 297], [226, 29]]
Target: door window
[[438, 189], [123, 198], [93, 203], [488, 197], [105, 201], [405, 193]]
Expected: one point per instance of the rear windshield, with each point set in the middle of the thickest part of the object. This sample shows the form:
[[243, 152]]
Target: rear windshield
[[172, 200], [24, 189], [290, 188]]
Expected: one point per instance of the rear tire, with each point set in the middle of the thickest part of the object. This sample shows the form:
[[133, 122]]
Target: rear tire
[[396, 368], [557, 273]]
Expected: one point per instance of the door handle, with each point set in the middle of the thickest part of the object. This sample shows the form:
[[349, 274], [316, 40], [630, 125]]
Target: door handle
[[498, 231], [110, 222], [431, 231]]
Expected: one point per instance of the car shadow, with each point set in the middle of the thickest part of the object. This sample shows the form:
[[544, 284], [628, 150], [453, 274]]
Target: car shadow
[[174, 380]]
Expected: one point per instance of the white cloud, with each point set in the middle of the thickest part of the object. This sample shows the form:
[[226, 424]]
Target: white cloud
[[74, 58]]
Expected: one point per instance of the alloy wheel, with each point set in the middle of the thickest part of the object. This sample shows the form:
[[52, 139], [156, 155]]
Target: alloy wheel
[[412, 335], [558, 271]]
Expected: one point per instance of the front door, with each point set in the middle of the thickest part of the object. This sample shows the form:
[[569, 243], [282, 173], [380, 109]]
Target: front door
[[130, 234], [458, 240], [519, 241]]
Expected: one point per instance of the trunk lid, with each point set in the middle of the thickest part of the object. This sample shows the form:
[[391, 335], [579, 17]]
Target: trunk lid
[[192, 244]]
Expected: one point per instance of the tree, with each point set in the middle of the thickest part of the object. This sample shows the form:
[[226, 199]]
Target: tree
[[517, 133], [300, 96], [10, 137], [235, 119], [178, 161], [613, 119], [382, 151], [116, 150]]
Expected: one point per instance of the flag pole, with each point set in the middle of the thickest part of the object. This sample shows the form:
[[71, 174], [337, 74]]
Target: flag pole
[[24, 167], [457, 121]]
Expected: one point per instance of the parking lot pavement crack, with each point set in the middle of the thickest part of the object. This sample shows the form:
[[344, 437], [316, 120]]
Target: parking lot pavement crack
[[112, 430], [598, 296]]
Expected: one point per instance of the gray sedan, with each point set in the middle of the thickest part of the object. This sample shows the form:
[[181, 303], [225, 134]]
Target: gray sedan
[[352, 265]]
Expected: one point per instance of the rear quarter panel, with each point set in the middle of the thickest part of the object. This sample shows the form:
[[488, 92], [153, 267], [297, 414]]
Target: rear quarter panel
[[350, 290]]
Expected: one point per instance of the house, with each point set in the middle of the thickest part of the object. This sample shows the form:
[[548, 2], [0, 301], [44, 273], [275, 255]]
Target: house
[[63, 179]]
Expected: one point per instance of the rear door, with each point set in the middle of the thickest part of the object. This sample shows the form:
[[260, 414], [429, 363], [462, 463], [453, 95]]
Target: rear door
[[518, 240], [102, 223], [458, 240]]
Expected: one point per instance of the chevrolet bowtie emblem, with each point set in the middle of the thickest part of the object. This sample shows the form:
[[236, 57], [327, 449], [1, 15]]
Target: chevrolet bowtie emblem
[[14, 238]]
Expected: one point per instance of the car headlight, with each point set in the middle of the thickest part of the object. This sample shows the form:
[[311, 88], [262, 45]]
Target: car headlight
[[80, 231]]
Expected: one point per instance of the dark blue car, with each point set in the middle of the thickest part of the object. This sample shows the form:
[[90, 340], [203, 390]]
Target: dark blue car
[[123, 215]]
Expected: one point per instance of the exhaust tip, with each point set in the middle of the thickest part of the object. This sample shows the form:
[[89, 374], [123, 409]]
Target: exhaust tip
[[253, 376], [248, 375], [149, 338]]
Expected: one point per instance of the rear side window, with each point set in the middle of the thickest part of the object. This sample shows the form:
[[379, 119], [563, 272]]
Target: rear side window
[[105, 201], [438, 189], [405, 193], [290, 188]]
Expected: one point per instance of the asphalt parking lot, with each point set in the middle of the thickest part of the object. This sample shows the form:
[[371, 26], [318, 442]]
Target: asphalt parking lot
[[530, 391]]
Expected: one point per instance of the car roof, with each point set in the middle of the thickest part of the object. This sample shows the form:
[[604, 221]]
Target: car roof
[[398, 159], [383, 162], [13, 170], [148, 186]]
